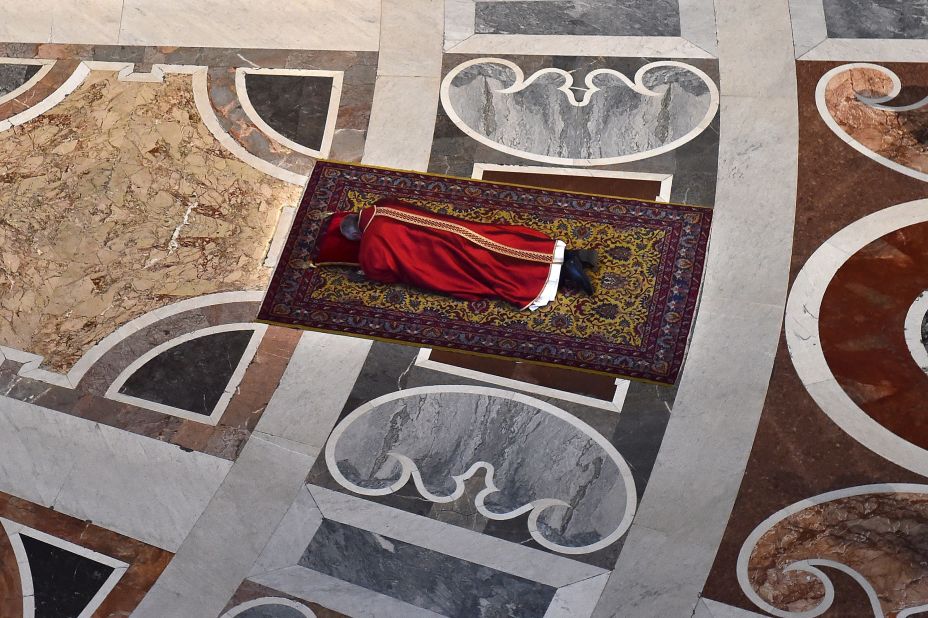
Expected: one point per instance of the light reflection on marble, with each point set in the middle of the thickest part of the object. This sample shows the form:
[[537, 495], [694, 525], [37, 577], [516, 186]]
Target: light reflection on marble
[[119, 201], [558, 117], [876, 19], [579, 17], [534, 455]]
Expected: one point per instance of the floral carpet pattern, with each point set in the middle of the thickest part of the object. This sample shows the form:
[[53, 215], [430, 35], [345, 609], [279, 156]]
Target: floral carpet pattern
[[635, 325]]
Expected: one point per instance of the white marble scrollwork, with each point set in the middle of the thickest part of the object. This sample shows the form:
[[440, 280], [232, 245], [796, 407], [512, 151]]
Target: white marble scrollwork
[[905, 156], [615, 120], [812, 565], [537, 459]]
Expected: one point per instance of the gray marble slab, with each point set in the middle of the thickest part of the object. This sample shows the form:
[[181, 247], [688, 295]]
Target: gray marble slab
[[542, 119], [693, 165], [421, 577], [12, 76], [271, 610], [636, 433], [579, 17], [876, 19], [534, 455], [296, 106]]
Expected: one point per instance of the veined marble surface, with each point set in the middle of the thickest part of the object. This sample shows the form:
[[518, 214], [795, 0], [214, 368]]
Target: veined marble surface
[[124, 203], [579, 17], [428, 579], [536, 459], [876, 19], [549, 117]]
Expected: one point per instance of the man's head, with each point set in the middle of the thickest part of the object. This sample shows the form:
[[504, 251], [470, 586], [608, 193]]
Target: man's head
[[350, 227]]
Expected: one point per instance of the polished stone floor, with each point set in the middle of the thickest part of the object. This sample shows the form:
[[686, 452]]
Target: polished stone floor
[[162, 455]]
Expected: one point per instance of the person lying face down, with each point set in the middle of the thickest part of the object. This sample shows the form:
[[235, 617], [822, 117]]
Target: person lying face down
[[396, 242]]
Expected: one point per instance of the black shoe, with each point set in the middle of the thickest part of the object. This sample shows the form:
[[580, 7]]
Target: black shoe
[[588, 257], [572, 273]]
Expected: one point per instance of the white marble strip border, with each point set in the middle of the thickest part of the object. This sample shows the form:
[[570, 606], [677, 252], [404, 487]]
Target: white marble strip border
[[625, 47], [532, 564], [15, 530], [281, 233], [809, 29], [241, 90], [878, 50], [913, 330], [230, 389], [805, 348], [32, 81], [577, 600], [666, 180], [669, 551], [839, 131], [423, 359], [809, 565], [31, 362], [811, 42], [238, 609], [697, 40]]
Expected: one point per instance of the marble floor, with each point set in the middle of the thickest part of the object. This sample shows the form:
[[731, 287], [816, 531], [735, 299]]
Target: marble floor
[[163, 455]]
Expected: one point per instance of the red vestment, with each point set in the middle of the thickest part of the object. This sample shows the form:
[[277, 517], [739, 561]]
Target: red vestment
[[464, 259]]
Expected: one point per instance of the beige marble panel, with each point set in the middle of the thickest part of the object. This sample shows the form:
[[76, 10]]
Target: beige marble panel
[[119, 201]]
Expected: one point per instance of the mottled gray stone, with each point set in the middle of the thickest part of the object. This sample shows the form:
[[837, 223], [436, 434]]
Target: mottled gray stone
[[12, 76], [636, 433], [421, 577], [296, 106], [271, 610], [192, 375], [535, 455], [579, 17], [693, 165], [876, 19], [543, 120]]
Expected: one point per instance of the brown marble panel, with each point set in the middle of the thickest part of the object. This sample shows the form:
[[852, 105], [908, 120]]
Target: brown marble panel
[[102, 226], [577, 382], [883, 537], [798, 452], [146, 562], [901, 137], [860, 326], [11, 591], [597, 185]]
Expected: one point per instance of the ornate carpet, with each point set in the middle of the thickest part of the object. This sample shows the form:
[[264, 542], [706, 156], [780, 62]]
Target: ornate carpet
[[636, 324]]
